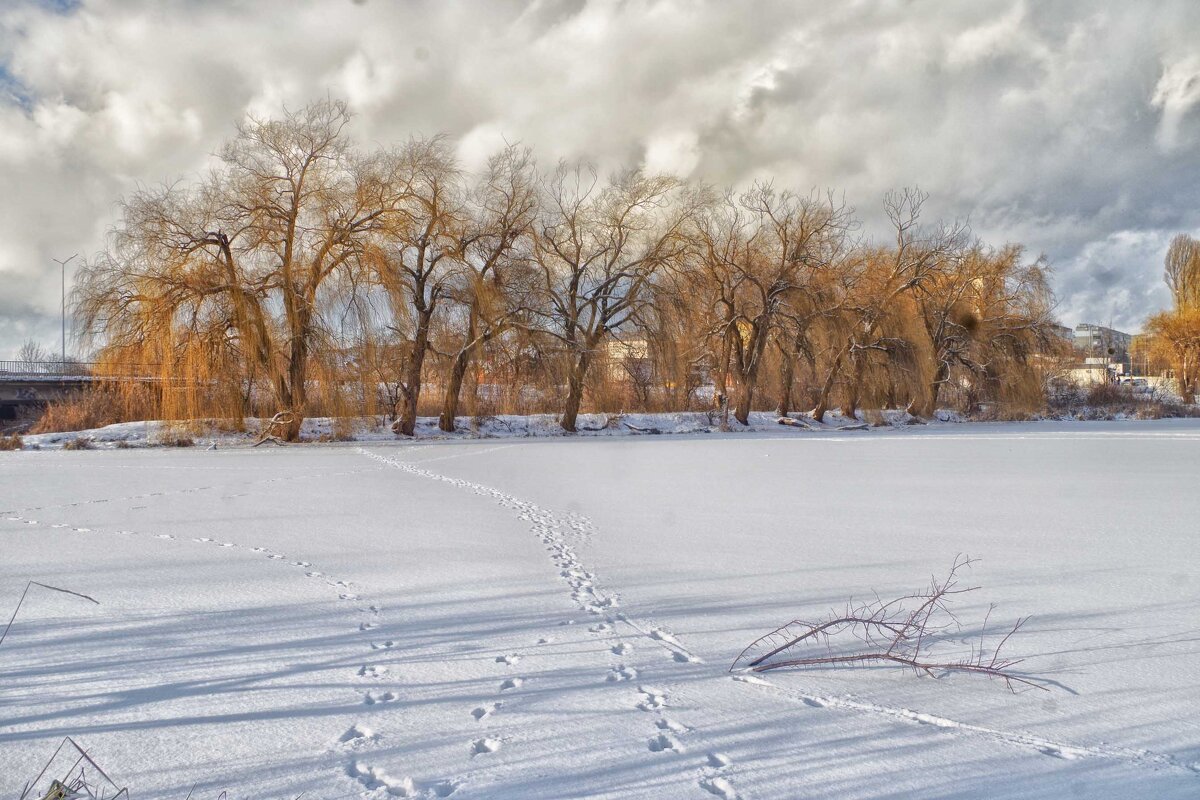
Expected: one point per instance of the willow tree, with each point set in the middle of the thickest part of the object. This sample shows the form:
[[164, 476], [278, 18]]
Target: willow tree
[[877, 318], [1175, 337], [496, 282], [759, 262], [238, 261], [417, 256], [988, 316], [597, 248], [305, 205], [170, 291]]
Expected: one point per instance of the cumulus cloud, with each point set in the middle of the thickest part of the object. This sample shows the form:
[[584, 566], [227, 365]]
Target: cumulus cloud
[[1071, 127]]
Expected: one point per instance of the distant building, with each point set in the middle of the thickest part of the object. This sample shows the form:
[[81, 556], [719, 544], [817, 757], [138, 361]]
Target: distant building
[[1063, 332], [627, 358], [1097, 340], [1102, 354]]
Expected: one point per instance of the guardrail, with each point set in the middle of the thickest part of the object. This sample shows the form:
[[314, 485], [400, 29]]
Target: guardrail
[[73, 369]]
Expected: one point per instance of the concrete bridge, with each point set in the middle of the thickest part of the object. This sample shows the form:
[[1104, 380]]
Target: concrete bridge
[[31, 385]]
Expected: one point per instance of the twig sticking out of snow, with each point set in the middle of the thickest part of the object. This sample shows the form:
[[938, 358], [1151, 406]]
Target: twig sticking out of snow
[[901, 631], [74, 782], [29, 585]]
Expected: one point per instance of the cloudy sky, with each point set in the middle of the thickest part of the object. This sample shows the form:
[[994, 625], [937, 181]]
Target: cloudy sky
[[1072, 127]]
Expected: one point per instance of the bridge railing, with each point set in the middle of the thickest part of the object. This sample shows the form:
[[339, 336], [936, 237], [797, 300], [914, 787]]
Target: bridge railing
[[73, 370]]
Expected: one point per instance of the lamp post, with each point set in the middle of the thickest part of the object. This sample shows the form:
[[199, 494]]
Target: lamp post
[[63, 264]]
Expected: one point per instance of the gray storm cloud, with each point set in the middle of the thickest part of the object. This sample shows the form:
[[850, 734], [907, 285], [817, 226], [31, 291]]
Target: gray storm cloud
[[1072, 127]]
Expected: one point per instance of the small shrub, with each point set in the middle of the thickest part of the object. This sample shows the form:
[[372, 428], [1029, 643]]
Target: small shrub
[[13, 442], [1109, 394], [177, 441], [80, 443]]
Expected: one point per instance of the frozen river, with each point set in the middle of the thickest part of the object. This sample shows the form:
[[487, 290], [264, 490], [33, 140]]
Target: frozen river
[[556, 618]]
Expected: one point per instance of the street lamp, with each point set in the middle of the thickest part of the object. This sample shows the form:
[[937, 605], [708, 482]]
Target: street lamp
[[63, 264]]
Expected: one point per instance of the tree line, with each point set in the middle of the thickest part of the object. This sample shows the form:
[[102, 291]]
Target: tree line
[[303, 273], [1174, 334]]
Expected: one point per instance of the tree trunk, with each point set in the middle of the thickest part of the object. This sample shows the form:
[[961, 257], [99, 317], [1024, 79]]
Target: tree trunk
[[786, 379], [927, 408], [575, 391], [741, 410], [850, 407], [453, 390], [822, 405], [411, 391], [296, 390]]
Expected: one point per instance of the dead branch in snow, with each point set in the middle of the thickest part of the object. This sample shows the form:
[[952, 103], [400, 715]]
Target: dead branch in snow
[[276, 428], [902, 631], [28, 586]]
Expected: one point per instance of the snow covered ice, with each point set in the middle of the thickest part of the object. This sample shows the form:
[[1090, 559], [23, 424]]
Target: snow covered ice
[[554, 618]]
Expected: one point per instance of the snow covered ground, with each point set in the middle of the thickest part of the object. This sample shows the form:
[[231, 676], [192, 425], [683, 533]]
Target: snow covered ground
[[555, 617]]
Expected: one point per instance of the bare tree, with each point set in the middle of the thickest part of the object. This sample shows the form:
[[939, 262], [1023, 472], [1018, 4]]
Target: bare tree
[[289, 207], [597, 249], [889, 276], [497, 281], [761, 257], [308, 206], [987, 316], [32, 352], [418, 256]]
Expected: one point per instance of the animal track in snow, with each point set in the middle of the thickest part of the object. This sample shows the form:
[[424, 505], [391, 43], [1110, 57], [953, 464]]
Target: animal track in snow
[[621, 673], [383, 645], [509, 660], [358, 735], [652, 699], [658, 634], [671, 725], [718, 760], [557, 532], [370, 671], [720, 787], [374, 778], [482, 746], [481, 713], [664, 742], [371, 699]]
